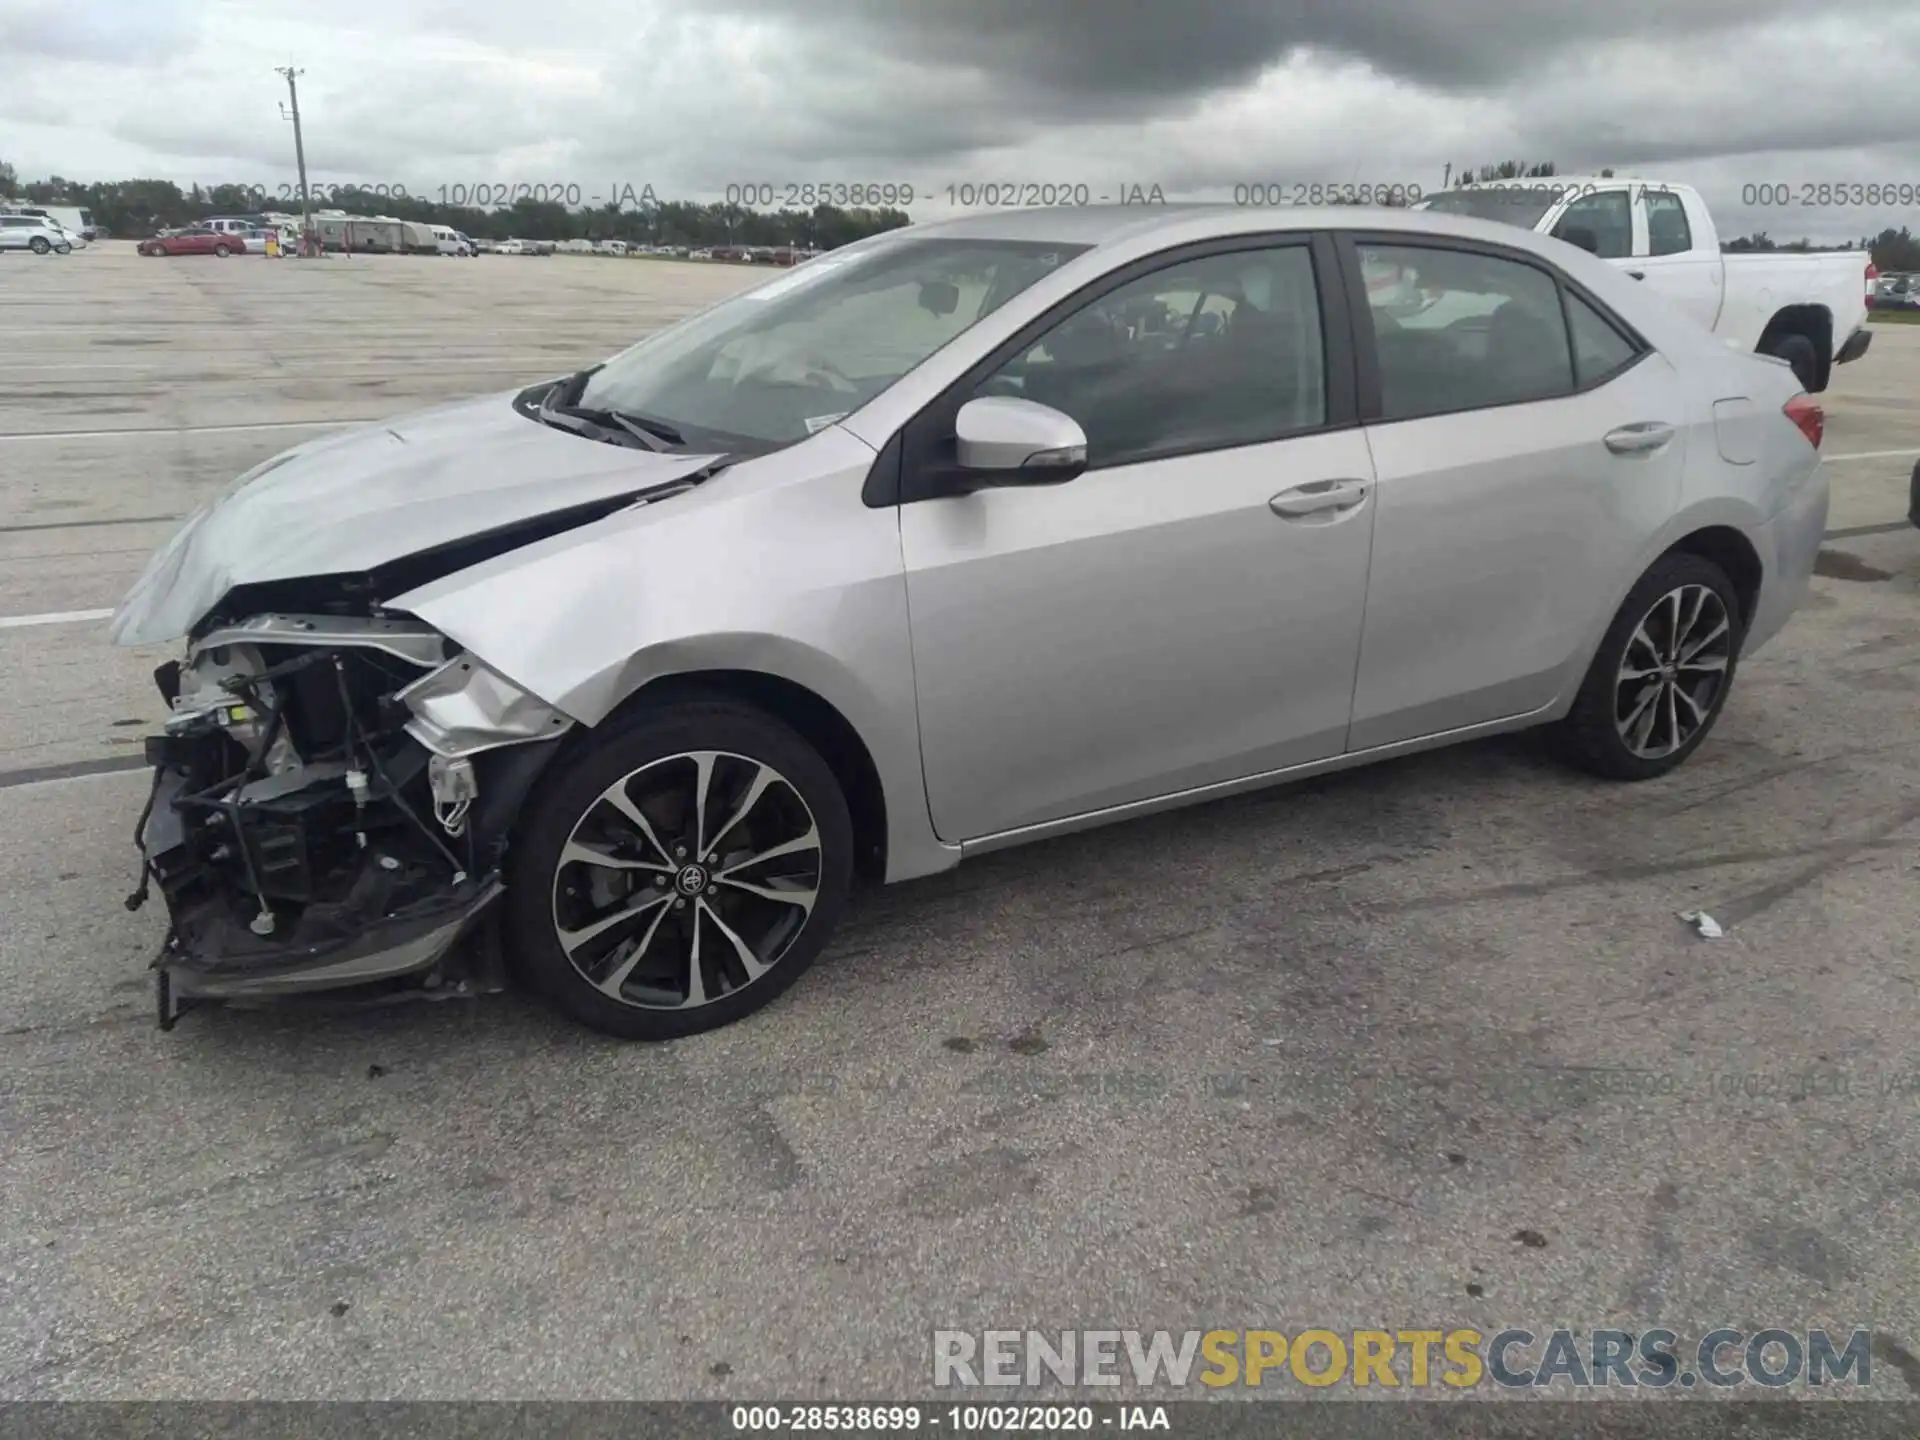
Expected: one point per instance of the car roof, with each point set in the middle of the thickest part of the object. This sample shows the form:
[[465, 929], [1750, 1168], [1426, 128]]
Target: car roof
[[1099, 225]]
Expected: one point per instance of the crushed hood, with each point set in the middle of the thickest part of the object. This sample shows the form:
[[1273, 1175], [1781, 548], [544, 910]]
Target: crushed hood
[[350, 502]]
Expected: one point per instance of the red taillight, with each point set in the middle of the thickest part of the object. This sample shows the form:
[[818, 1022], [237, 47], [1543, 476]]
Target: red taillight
[[1806, 413]]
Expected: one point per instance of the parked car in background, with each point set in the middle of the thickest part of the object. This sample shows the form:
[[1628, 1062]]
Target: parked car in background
[[998, 563], [483, 246], [610, 247], [701, 254], [195, 240], [35, 233], [448, 241], [75, 220], [1897, 292], [255, 241], [1807, 308], [511, 247]]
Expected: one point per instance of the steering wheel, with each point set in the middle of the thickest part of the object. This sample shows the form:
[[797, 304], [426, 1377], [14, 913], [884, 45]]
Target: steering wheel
[[837, 379]]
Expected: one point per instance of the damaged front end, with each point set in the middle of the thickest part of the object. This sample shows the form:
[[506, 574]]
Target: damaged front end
[[331, 801]]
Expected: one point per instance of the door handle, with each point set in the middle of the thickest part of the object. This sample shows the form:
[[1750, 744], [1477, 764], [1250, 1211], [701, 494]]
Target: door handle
[[1639, 439], [1317, 497], [1638, 274]]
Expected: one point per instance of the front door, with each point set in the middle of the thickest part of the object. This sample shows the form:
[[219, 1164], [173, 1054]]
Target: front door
[[1186, 612]]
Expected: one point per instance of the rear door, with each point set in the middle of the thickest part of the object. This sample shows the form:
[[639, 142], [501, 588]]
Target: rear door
[[1186, 612], [1527, 446]]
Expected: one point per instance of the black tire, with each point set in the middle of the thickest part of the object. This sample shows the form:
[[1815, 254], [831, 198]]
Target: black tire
[[221, 251], [640, 754], [1591, 736], [39, 245], [1799, 352]]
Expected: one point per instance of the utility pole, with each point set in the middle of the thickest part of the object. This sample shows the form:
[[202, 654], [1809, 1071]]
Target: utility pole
[[299, 151]]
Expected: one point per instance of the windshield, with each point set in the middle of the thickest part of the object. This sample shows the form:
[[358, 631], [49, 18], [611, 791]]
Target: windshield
[[1521, 205], [772, 366]]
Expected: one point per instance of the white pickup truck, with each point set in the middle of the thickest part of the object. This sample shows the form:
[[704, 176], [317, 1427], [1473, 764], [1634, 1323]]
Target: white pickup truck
[[1810, 309]]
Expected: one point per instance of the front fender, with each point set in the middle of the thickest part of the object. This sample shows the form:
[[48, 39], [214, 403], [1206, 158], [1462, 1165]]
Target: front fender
[[775, 567]]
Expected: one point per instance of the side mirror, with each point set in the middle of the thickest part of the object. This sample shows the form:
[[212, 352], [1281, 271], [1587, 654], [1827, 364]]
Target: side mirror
[[939, 297], [1003, 440]]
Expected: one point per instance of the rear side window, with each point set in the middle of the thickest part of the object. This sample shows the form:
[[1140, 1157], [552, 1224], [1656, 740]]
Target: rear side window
[[1599, 350], [1457, 330], [1605, 219], [1667, 230]]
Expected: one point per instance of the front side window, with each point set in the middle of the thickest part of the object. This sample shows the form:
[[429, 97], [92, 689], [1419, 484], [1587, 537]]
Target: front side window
[[1460, 330], [1205, 354], [770, 367], [1601, 223]]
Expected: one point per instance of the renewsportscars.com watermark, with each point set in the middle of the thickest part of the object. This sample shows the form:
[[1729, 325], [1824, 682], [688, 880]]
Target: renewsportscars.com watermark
[[1455, 1358]]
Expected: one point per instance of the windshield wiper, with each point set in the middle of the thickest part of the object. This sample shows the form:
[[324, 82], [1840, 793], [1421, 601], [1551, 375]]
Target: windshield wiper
[[655, 434], [558, 406]]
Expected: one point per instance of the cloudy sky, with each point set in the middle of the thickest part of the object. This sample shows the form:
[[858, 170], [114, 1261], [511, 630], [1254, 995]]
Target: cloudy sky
[[1196, 96]]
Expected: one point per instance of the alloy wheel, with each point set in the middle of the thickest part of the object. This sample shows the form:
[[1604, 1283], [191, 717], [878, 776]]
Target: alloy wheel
[[1673, 671], [687, 880]]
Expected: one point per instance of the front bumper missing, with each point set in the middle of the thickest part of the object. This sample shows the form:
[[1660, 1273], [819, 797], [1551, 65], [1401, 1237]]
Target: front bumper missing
[[390, 949], [385, 927]]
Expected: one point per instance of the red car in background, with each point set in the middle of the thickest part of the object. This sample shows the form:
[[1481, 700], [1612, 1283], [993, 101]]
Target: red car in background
[[193, 241]]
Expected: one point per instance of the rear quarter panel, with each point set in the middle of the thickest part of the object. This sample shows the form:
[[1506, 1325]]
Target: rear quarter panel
[[1778, 502]]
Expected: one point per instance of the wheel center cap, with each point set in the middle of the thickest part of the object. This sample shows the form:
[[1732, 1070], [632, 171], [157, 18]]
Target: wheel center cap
[[692, 880]]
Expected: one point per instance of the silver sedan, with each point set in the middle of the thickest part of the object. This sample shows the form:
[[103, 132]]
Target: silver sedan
[[962, 536]]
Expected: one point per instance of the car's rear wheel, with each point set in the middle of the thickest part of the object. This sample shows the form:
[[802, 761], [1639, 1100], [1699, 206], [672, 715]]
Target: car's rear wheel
[[222, 251], [1662, 674], [39, 245], [1799, 352], [682, 873]]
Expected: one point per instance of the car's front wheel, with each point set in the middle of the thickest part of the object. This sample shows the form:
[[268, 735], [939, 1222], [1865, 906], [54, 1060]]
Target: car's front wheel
[[683, 871], [1662, 674]]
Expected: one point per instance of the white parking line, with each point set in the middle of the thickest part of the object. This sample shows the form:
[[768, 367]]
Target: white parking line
[[1876, 455], [53, 617], [189, 429]]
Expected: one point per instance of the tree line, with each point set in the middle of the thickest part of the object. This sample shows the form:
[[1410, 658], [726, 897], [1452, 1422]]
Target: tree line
[[136, 209]]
